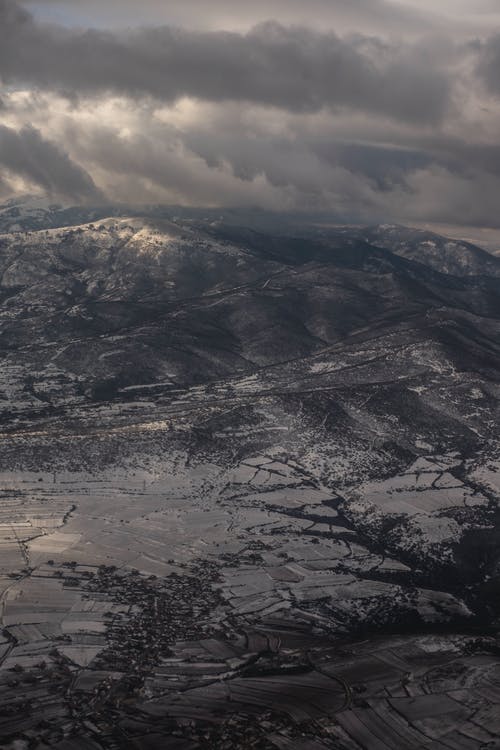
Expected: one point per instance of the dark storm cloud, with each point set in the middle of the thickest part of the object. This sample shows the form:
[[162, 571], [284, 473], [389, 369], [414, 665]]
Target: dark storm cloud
[[291, 68], [385, 166], [28, 155], [462, 157], [488, 66]]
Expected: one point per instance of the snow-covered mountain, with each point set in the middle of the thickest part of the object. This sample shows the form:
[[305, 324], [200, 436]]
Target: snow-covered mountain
[[446, 255], [189, 301]]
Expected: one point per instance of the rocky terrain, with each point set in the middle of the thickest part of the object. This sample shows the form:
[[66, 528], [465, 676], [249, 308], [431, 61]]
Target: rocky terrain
[[250, 484]]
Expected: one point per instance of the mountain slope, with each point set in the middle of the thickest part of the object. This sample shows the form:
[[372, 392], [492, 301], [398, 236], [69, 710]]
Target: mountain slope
[[454, 257], [131, 301]]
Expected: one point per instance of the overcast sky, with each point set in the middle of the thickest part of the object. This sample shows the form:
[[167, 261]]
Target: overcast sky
[[373, 110]]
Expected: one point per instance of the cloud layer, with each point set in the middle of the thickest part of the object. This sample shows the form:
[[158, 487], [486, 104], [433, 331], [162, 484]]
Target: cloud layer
[[27, 154], [292, 68], [335, 114]]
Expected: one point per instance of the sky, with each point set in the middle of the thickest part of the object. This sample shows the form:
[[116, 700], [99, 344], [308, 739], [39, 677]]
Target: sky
[[369, 110]]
